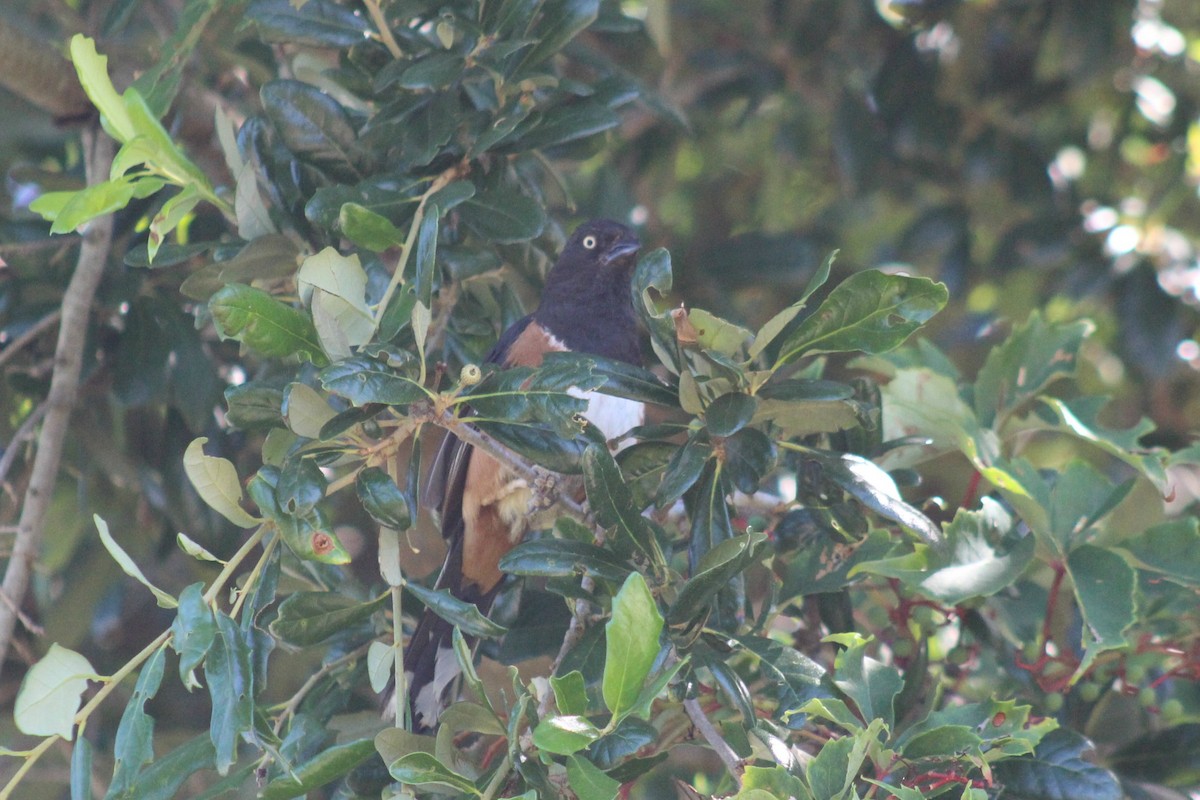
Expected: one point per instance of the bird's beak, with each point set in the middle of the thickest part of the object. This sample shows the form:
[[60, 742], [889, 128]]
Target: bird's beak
[[621, 250]]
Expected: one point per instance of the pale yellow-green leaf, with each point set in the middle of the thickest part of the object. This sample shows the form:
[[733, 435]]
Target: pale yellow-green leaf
[[50, 693], [194, 549], [216, 481], [93, 76], [389, 557], [337, 274], [306, 411], [381, 658], [131, 569], [341, 326]]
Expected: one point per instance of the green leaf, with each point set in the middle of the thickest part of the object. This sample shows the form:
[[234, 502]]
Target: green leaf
[[192, 632], [561, 21], [216, 481], [383, 499], [434, 71], [169, 216], [394, 743], [970, 565], [127, 564], [231, 686], [717, 334], [796, 678], [422, 769], [630, 736], [269, 257], [253, 405], [313, 126], [262, 323], [81, 770], [632, 635], [92, 69], [424, 263], [1171, 549], [504, 215], [326, 766], [162, 779], [653, 274], [729, 413], [134, 743], [86, 204], [716, 569], [612, 502], [305, 410], [570, 693], [457, 612], [588, 781], [1079, 417], [562, 558], [870, 311], [50, 693], [367, 229], [622, 379], [870, 683], [314, 23], [684, 469], [564, 735], [1058, 770], [363, 380], [875, 489], [776, 325], [301, 485], [309, 618], [709, 512], [569, 123], [1104, 588], [1033, 355]]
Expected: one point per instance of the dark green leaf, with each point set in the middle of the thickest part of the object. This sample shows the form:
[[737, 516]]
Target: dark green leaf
[[1032, 356], [653, 274], [301, 485], [729, 413], [570, 693], [560, 21], [328, 765], [683, 470], [558, 558], [451, 195], [424, 264], [266, 258], [383, 500], [870, 311], [262, 323], [231, 686], [543, 447], [434, 71], [134, 744], [749, 456], [1058, 771], [313, 126], [193, 631], [81, 769], [621, 379], [316, 23], [876, 490], [1104, 587], [630, 736], [162, 779], [776, 325], [309, 618], [503, 214], [1171, 549], [569, 123], [612, 502], [253, 405], [588, 782], [795, 677], [709, 513], [457, 612], [363, 380], [870, 683], [728, 682], [716, 569]]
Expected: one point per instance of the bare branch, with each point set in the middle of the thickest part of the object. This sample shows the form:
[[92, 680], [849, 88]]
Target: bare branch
[[713, 737], [68, 360]]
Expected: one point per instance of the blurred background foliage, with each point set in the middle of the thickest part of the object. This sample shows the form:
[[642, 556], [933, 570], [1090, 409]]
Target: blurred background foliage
[[1030, 154]]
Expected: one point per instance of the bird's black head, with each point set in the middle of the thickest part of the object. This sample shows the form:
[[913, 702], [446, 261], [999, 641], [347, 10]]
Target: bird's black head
[[586, 302], [596, 261]]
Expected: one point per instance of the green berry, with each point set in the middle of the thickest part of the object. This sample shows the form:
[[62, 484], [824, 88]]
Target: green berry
[[1054, 702], [1090, 691], [958, 655], [1147, 697], [903, 648], [1172, 709]]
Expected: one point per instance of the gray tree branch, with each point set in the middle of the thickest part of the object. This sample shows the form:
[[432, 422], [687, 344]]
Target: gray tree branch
[[68, 360]]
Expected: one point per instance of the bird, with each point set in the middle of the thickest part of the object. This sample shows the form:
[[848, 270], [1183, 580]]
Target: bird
[[586, 307]]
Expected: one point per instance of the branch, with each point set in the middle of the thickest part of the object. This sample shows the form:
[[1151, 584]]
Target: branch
[[713, 737], [76, 306], [37, 329]]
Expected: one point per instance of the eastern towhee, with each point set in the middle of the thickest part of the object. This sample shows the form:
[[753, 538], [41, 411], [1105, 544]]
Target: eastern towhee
[[586, 307]]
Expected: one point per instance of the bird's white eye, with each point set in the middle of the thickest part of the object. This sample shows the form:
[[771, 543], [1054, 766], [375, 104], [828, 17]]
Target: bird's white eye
[[589, 242]]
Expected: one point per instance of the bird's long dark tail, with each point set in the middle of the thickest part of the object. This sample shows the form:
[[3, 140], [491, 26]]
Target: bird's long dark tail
[[430, 666]]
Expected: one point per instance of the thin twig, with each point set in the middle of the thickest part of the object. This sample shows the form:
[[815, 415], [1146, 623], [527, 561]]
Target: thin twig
[[68, 361], [385, 31], [713, 737], [37, 329], [22, 433]]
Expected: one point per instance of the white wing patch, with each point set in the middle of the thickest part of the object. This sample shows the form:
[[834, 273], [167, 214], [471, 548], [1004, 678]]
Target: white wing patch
[[614, 416]]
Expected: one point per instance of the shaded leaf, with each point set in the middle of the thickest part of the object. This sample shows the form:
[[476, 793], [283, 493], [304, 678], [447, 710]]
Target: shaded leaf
[[262, 323], [308, 618], [1058, 771], [50, 693]]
